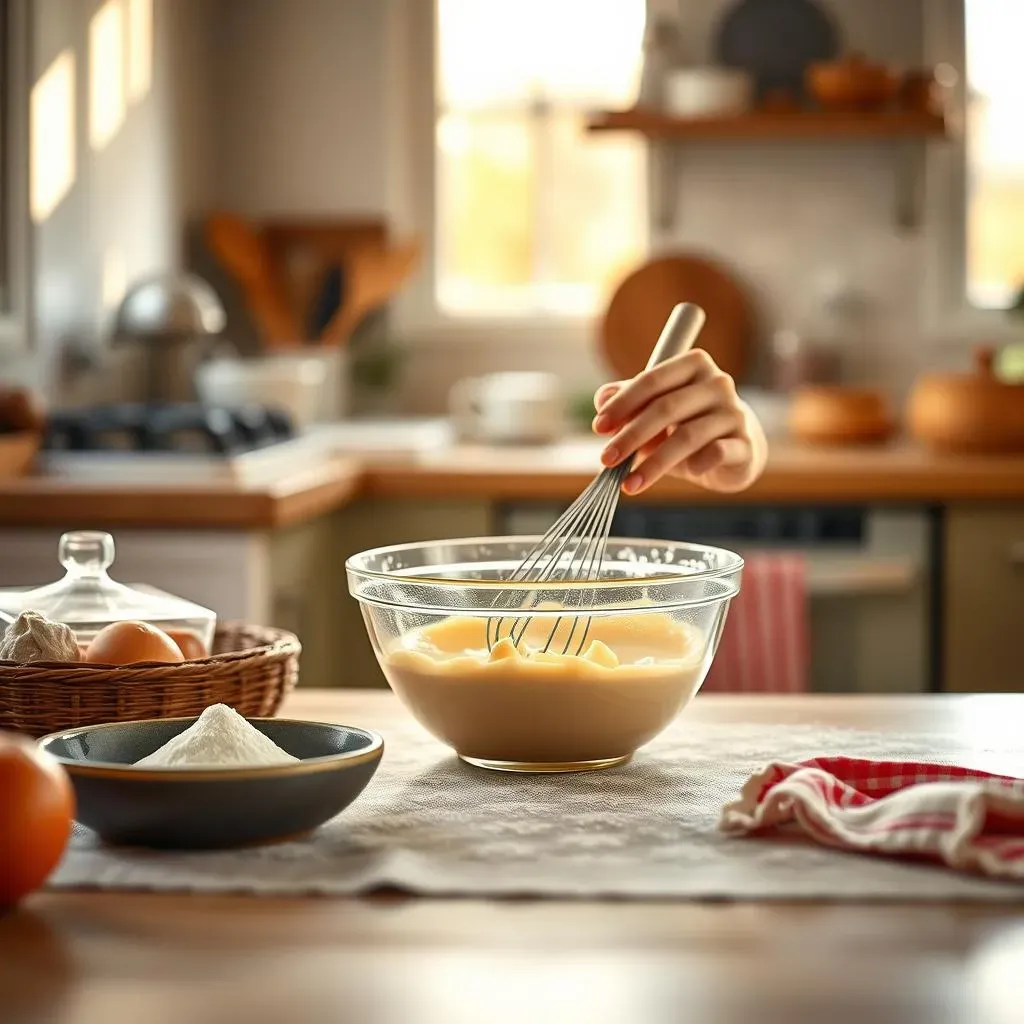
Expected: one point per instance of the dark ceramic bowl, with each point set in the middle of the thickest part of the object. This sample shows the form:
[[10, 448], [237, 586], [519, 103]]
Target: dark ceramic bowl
[[181, 808]]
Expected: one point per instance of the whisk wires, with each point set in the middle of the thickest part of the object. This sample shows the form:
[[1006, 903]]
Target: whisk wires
[[571, 551]]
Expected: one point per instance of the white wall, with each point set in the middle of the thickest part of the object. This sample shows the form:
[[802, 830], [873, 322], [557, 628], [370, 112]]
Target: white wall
[[126, 205], [301, 87], [188, 33]]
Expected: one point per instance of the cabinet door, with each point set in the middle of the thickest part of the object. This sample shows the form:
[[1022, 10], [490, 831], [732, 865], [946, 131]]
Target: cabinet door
[[306, 591], [373, 523], [984, 599]]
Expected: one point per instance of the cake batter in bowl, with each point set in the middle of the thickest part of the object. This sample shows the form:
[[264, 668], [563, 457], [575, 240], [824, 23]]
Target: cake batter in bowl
[[577, 676]]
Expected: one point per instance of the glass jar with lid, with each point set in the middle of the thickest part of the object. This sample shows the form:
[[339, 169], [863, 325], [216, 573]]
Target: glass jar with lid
[[798, 361], [86, 599], [825, 349]]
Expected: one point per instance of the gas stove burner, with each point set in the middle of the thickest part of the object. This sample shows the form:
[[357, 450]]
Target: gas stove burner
[[184, 427]]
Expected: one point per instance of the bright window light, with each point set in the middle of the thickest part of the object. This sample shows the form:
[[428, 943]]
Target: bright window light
[[106, 74], [140, 49], [533, 217], [995, 152], [52, 131]]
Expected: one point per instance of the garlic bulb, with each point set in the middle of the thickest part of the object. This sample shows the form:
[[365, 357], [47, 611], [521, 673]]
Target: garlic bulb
[[33, 637]]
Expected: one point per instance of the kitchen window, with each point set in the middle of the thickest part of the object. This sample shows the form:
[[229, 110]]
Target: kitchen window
[[531, 217], [970, 270], [994, 256]]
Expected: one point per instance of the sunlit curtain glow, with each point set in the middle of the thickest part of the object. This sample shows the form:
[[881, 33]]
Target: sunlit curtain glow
[[114, 279], [106, 74], [140, 48], [52, 165], [995, 151]]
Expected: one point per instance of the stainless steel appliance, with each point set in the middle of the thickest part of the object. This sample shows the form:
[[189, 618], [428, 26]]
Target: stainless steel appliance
[[869, 574], [171, 320]]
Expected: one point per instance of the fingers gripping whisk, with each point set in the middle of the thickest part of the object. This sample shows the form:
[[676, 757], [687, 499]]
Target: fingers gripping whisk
[[573, 548]]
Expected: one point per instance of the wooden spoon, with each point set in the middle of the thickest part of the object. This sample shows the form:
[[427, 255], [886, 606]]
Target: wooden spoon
[[372, 276], [244, 254]]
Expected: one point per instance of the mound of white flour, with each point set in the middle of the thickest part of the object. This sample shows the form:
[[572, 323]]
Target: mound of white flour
[[219, 738]]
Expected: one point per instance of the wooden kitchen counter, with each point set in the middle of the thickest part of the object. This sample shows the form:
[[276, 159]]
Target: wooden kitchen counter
[[299, 496], [794, 474], [95, 958]]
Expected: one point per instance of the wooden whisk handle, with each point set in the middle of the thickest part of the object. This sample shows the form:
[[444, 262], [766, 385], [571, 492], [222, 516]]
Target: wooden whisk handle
[[681, 330]]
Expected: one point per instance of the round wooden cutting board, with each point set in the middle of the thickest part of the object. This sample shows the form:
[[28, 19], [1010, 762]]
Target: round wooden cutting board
[[642, 302]]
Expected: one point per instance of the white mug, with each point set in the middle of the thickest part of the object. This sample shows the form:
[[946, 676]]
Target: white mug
[[508, 408]]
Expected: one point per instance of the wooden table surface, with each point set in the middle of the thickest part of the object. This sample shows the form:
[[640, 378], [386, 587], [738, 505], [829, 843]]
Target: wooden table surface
[[107, 958]]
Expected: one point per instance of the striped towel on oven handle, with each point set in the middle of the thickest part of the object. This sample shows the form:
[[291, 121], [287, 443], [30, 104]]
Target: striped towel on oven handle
[[765, 644]]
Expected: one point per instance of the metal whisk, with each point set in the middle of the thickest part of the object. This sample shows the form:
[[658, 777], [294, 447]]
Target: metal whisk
[[572, 550]]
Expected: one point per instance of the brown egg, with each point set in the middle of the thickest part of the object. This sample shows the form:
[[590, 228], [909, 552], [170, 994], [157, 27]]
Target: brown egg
[[129, 642], [191, 646]]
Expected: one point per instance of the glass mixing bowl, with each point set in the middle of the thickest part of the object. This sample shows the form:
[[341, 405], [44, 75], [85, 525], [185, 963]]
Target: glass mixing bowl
[[544, 676]]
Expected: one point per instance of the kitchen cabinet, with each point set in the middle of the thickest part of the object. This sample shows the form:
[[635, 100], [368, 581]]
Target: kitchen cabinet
[[276, 578], [305, 592], [308, 588], [868, 577], [224, 570], [293, 578], [984, 598], [376, 522]]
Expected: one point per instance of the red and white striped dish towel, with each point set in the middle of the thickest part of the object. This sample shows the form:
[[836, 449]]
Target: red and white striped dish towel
[[765, 648], [966, 819]]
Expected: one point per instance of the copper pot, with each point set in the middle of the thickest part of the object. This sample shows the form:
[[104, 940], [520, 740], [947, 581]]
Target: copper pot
[[921, 92], [968, 412], [839, 415], [851, 83]]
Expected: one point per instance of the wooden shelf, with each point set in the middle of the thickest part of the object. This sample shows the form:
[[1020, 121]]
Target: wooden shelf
[[907, 131], [767, 126]]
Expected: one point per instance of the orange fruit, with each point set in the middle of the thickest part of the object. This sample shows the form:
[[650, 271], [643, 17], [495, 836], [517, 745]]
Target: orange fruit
[[37, 808]]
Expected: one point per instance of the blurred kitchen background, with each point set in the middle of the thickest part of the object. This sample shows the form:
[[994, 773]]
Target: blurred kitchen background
[[345, 217]]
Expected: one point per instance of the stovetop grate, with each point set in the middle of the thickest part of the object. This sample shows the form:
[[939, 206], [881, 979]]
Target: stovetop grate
[[189, 428]]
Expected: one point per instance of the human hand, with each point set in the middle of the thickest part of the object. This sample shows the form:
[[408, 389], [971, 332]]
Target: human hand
[[682, 417]]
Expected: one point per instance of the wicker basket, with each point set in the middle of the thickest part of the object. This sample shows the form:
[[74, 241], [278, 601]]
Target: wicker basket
[[252, 669]]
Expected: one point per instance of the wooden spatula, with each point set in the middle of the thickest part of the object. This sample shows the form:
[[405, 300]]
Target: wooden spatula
[[243, 253], [372, 276]]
